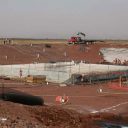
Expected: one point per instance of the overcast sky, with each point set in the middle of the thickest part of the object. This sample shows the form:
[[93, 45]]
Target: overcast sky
[[106, 19]]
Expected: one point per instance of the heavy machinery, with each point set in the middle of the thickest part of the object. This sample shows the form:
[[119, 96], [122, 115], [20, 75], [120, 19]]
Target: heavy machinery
[[80, 39], [77, 39]]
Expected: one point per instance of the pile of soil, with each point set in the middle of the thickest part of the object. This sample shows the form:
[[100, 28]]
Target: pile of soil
[[23, 116]]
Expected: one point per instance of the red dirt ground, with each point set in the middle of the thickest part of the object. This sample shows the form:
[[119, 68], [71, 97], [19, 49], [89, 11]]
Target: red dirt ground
[[78, 112], [83, 100], [17, 54]]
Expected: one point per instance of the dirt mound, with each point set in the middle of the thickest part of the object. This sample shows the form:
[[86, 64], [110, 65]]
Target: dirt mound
[[59, 118], [22, 116]]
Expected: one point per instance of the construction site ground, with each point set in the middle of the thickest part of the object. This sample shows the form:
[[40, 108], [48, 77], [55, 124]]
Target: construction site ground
[[27, 53], [87, 104]]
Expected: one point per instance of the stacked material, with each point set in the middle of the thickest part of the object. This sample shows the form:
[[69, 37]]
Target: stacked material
[[36, 79]]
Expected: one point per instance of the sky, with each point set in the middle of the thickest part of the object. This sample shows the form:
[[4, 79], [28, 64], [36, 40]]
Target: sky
[[98, 19]]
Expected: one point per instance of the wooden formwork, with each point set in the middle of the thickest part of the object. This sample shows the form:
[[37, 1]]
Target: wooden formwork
[[36, 79]]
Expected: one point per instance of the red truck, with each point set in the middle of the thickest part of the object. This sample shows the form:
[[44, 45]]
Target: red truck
[[75, 40], [80, 39]]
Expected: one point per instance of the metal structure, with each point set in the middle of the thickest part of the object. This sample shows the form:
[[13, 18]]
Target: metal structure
[[95, 78]]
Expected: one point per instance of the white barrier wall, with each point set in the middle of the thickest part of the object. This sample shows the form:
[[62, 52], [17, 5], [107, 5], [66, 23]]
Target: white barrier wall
[[56, 72]]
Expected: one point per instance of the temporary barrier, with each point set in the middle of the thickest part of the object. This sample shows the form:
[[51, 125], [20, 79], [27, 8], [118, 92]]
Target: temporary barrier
[[62, 99]]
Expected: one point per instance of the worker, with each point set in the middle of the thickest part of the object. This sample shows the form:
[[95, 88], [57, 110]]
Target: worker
[[21, 73]]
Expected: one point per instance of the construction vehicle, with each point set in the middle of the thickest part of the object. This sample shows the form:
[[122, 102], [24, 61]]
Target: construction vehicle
[[77, 39], [80, 39]]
